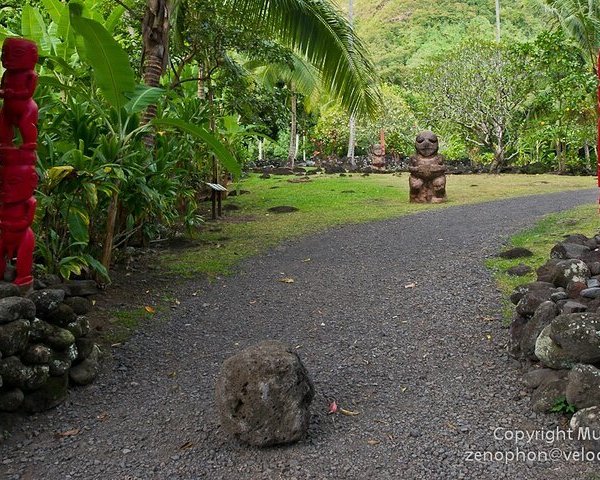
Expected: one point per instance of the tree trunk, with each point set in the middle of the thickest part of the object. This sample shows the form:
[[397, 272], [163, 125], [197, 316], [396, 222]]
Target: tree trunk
[[498, 21], [111, 219], [352, 141], [499, 148], [588, 157], [155, 50], [304, 147], [560, 156], [498, 161], [293, 132], [352, 122], [201, 92]]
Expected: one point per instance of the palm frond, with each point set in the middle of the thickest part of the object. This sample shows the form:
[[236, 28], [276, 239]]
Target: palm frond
[[321, 34], [580, 19], [301, 76]]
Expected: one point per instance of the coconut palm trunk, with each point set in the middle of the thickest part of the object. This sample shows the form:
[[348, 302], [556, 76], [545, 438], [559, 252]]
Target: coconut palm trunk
[[293, 132], [155, 38], [498, 21]]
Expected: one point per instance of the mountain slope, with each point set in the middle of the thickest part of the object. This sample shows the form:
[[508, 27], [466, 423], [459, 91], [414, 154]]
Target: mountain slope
[[401, 33]]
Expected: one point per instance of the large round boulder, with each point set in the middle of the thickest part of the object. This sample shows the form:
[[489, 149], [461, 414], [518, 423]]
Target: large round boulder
[[586, 427], [52, 393], [14, 337], [47, 300], [543, 315], [85, 372], [10, 400], [568, 250], [570, 339], [570, 271], [583, 389], [579, 335], [532, 300], [14, 308], [263, 395]]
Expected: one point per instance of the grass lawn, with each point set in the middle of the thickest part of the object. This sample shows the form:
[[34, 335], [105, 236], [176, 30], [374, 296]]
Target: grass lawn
[[329, 200]]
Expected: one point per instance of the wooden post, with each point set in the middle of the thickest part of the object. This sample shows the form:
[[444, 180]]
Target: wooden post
[[213, 200]]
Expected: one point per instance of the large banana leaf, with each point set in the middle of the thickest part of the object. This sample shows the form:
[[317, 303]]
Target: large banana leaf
[[34, 28], [112, 71], [5, 33], [142, 97], [222, 154], [65, 31], [114, 18], [92, 9], [55, 9]]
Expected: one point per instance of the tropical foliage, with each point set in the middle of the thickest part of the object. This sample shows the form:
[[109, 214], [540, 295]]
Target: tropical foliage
[[101, 187], [143, 101]]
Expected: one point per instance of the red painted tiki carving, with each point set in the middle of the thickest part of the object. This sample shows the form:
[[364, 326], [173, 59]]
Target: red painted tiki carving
[[18, 178], [18, 84]]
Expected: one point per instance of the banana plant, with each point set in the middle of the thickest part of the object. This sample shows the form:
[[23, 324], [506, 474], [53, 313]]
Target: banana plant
[[214, 144]]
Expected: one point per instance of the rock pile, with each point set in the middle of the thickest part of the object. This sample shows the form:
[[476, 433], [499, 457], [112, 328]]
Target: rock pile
[[43, 343], [557, 323]]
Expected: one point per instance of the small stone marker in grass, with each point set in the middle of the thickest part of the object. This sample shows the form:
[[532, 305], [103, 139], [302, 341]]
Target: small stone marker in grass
[[517, 252], [283, 209], [519, 270]]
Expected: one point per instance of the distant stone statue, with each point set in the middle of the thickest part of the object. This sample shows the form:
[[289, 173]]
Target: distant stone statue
[[427, 171], [377, 156]]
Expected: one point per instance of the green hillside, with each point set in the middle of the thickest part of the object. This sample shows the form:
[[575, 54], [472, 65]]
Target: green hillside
[[402, 33]]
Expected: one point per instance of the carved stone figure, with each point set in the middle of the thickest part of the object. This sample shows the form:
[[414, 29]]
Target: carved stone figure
[[377, 155], [427, 171], [19, 57], [18, 178]]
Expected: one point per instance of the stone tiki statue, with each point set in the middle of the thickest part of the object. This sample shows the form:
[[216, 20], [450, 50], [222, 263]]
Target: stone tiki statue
[[427, 171], [18, 178], [377, 156]]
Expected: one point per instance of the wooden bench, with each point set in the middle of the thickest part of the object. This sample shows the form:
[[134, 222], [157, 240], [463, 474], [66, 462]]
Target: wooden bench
[[216, 194]]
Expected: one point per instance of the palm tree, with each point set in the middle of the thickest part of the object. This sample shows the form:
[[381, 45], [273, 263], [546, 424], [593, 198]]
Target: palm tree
[[155, 51], [314, 29], [352, 121], [300, 78], [580, 19], [320, 33]]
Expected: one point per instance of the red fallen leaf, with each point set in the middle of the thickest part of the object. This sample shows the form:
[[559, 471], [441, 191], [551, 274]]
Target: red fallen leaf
[[333, 407]]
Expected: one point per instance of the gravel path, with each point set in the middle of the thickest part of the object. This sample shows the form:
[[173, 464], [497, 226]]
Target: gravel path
[[425, 366]]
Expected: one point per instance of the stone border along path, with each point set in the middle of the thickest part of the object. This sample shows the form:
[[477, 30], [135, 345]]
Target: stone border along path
[[415, 362]]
